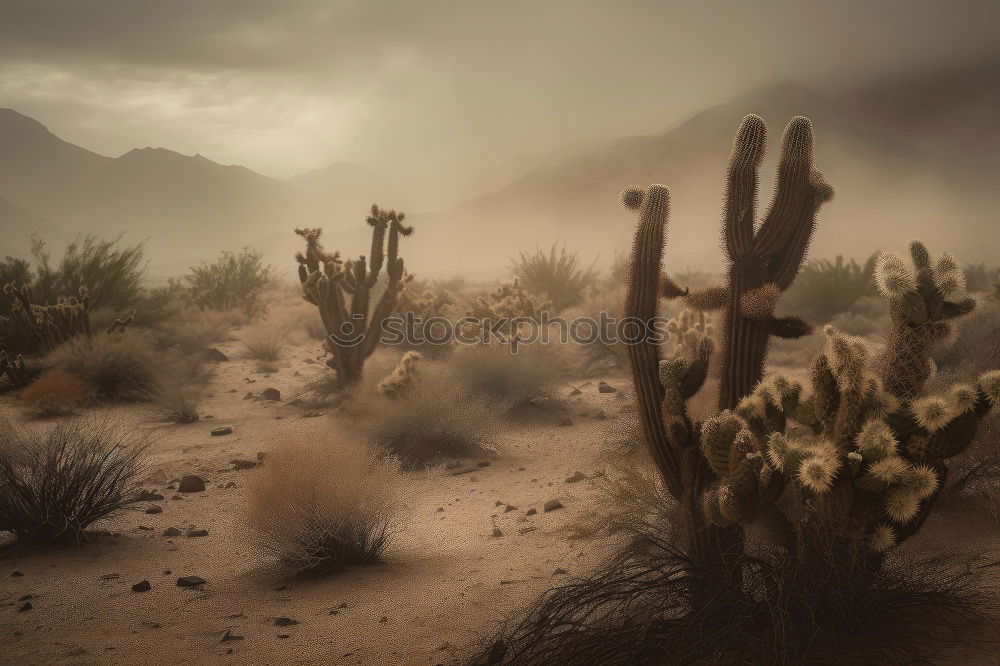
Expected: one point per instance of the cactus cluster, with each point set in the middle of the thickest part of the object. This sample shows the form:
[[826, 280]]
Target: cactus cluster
[[342, 290], [508, 305], [15, 371], [687, 330], [851, 466]]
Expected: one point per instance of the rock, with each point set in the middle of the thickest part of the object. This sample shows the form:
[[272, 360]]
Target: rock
[[483, 463], [551, 505], [171, 532], [559, 571], [224, 430], [576, 477], [565, 421], [249, 396], [508, 508], [215, 356], [231, 484], [261, 455], [191, 483], [604, 387], [154, 509], [284, 635], [271, 393], [228, 636], [530, 512], [575, 391], [241, 464], [190, 581], [147, 496], [26, 606], [16, 574], [197, 533], [599, 415], [284, 622], [177, 497], [497, 533], [141, 586]]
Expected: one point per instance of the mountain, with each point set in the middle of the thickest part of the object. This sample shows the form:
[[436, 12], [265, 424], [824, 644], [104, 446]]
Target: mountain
[[901, 169]]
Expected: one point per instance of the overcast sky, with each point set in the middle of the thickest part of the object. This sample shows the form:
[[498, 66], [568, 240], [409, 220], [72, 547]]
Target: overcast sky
[[284, 86]]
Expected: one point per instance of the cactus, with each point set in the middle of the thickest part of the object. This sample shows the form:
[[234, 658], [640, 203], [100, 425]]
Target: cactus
[[342, 290], [15, 371], [403, 376], [848, 468]]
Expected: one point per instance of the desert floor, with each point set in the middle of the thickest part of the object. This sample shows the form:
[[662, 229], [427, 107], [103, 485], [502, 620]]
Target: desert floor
[[445, 584]]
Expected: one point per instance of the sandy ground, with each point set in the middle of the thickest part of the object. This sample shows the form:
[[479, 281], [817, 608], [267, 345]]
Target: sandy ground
[[447, 580]]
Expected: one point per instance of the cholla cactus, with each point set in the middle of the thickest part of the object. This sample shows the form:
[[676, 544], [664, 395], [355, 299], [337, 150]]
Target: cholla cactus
[[15, 371], [354, 329], [924, 299], [506, 308], [847, 467], [686, 331], [402, 378]]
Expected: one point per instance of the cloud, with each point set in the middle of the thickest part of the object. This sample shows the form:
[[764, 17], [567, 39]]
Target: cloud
[[434, 86]]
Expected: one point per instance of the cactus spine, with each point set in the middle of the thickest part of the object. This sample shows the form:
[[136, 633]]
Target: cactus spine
[[342, 290]]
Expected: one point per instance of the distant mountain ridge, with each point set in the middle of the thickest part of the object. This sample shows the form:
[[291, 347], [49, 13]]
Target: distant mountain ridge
[[906, 162]]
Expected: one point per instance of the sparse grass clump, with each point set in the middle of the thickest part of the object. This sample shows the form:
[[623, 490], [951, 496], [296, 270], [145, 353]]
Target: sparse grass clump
[[180, 388], [510, 379], [55, 393], [265, 342], [558, 277], [433, 420], [55, 484], [120, 366], [321, 506]]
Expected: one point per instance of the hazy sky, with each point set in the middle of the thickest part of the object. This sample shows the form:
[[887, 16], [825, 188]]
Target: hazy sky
[[403, 87]]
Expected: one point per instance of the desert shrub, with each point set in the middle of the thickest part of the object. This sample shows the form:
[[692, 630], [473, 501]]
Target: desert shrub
[[977, 343], [193, 331], [825, 288], [180, 387], [234, 281], [55, 393], [320, 506], [434, 419], [265, 342], [55, 483], [557, 277], [120, 366], [631, 500], [509, 379]]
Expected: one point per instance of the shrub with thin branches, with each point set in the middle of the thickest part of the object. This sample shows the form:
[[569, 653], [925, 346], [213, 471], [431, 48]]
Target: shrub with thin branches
[[55, 393], [119, 366], [57, 483], [319, 506], [558, 277], [233, 281]]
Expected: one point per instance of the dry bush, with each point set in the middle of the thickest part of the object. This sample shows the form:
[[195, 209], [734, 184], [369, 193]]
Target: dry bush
[[321, 506], [631, 500], [266, 341], [119, 366], [55, 393], [560, 277], [180, 388], [194, 330], [54, 485], [435, 419], [510, 379]]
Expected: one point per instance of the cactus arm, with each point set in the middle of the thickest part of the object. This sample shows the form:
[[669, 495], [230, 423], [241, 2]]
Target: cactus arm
[[641, 295], [741, 186]]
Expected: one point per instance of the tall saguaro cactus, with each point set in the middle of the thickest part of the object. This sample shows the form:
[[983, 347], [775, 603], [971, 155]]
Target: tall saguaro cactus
[[763, 262], [342, 290]]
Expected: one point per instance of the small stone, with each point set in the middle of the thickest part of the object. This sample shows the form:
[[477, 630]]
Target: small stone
[[171, 532], [249, 396], [284, 622], [26, 606], [599, 415], [508, 508], [213, 355], [154, 509], [177, 497], [551, 505], [559, 571], [575, 391], [530, 512], [575, 477], [483, 463], [261, 455], [271, 393], [497, 533], [141, 586], [383, 620], [147, 496], [231, 484], [190, 581], [27, 597], [224, 430], [604, 387], [565, 421], [16, 574], [228, 636], [241, 464], [284, 635], [191, 483], [197, 533]]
